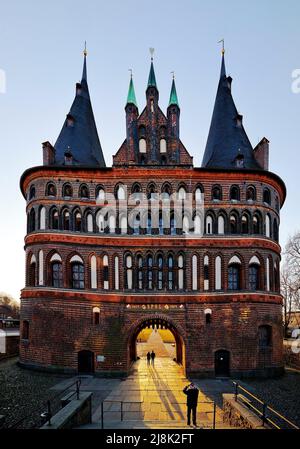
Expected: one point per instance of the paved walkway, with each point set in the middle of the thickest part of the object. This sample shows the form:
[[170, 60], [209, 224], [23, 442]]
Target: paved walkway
[[152, 397]]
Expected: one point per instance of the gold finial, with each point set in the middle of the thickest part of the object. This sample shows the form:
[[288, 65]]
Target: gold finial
[[130, 70], [173, 74], [223, 45], [85, 50], [151, 52]]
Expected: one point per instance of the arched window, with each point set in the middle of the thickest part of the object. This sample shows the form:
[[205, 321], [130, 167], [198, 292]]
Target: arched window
[[41, 267], [233, 224], [112, 224], [197, 225], [100, 222], [234, 276], [56, 274], [276, 278], [268, 226], [100, 196], [51, 189], [254, 277], [181, 193], [173, 224], [151, 189], [25, 330], [221, 224], [142, 145], [163, 145], [251, 194], [206, 273], [84, 191], [96, 315], [77, 275], [160, 272], [32, 192], [123, 224], [234, 193], [198, 195], [89, 221], [32, 272], [209, 224], [218, 273], [128, 265], [140, 283], [268, 283], [149, 225], [185, 225], [275, 230], [78, 221], [256, 224], [216, 193], [170, 272], [180, 272], [267, 196], [54, 219], [120, 192], [166, 191], [42, 218], [277, 207], [150, 272], [105, 272], [160, 224], [245, 224], [66, 220], [264, 336], [93, 272], [194, 272], [136, 224], [117, 276], [31, 226], [67, 190]]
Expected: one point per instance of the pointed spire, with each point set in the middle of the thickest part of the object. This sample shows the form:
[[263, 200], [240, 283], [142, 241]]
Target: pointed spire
[[84, 71], [79, 131], [131, 92], [173, 94], [227, 139], [151, 78]]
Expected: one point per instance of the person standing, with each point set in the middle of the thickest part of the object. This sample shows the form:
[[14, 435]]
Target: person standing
[[148, 358], [152, 357], [192, 393]]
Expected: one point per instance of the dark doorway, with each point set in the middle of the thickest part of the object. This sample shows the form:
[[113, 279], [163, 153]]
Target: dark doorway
[[85, 362], [222, 363]]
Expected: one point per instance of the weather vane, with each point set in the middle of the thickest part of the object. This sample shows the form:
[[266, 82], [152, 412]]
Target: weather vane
[[151, 52], [130, 70], [173, 74], [223, 45], [85, 50]]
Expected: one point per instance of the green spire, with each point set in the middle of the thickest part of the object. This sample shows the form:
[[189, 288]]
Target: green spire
[[151, 79], [131, 93], [173, 95]]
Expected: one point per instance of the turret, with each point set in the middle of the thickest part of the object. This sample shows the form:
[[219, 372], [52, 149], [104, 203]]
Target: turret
[[173, 114], [132, 113]]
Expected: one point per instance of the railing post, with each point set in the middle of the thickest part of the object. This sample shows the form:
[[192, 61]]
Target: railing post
[[214, 419], [49, 412], [264, 415], [77, 388], [236, 387], [121, 410], [102, 420]]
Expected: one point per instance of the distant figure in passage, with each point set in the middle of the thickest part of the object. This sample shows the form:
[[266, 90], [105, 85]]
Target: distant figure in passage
[[152, 357], [148, 358], [192, 400]]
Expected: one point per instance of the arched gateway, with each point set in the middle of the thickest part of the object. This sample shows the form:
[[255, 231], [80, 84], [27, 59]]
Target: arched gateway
[[157, 322]]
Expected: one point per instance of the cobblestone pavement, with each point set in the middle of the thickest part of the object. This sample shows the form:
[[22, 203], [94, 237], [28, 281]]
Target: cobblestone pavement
[[23, 391], [282, 394]]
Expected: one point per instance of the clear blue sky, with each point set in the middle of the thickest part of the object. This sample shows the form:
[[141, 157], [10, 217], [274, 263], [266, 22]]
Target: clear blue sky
[[41, 53]]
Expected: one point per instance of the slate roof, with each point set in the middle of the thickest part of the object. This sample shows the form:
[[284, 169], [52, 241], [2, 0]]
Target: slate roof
[[227, 138], [81, 138], [173, 95]]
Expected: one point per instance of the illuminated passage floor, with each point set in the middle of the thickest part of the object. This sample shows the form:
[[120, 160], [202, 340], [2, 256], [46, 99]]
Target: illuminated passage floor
[[152, 397]]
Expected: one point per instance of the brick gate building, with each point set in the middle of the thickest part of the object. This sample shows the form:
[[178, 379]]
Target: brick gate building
[[96, 275]]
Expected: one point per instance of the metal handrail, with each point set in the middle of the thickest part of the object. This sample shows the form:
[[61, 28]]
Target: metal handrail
[[265, 407], [129, 402]]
